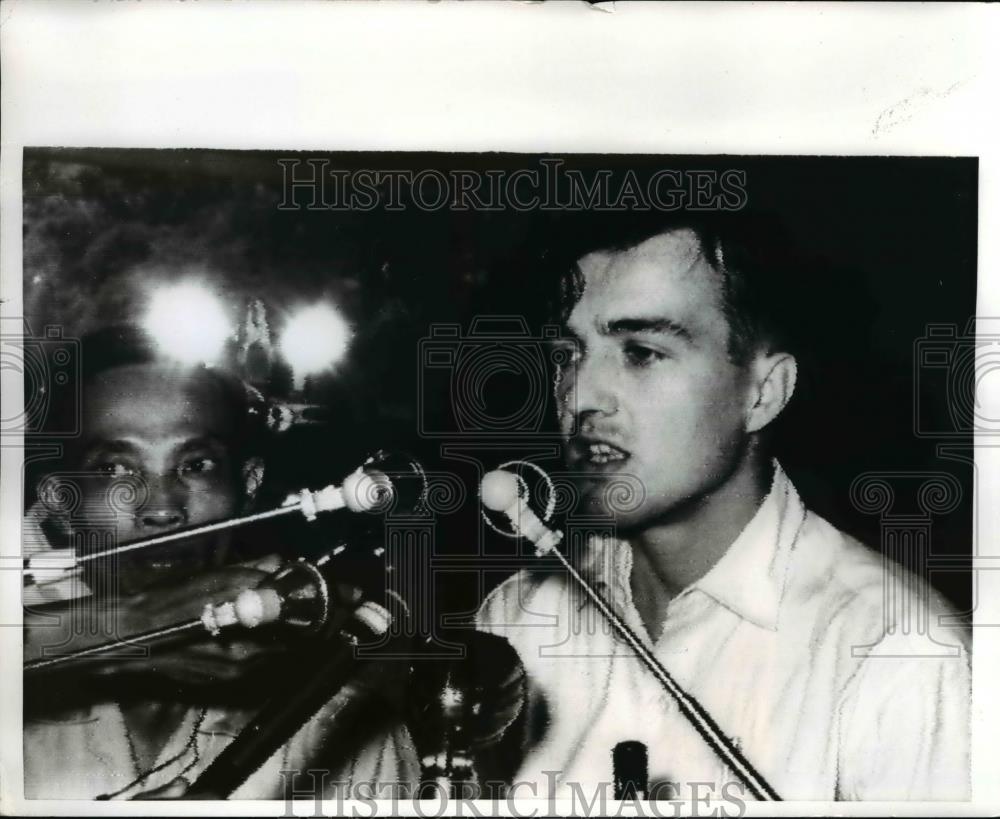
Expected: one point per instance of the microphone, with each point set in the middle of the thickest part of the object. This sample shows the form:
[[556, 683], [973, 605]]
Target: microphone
[[383, 482], [503, 491], [630, 762], [361, 491], [402, 476], [304, 595], [298, 697]]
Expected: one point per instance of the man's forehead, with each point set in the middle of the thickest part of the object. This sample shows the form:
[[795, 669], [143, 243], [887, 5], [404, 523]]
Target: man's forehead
[[666, 274], [155, 401]]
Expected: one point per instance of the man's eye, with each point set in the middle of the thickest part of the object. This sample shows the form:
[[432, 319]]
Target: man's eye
[[115, 469], [639, 355], [198, 466]]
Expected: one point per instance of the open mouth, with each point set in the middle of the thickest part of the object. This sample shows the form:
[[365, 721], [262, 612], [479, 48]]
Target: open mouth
[[595, 453]]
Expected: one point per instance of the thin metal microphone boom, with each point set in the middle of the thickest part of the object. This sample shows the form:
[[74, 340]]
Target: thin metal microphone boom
[[297, 595], [367, 489], [195, 531], [144, 639], [501, 492]]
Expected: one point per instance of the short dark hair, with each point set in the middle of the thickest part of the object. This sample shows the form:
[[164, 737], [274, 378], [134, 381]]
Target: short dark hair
[[761, 270]]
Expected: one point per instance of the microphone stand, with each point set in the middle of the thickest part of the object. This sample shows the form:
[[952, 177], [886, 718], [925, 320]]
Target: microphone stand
[[500, 491]]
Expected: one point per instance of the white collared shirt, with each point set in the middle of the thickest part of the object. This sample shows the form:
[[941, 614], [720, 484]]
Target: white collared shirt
[[788, 643]]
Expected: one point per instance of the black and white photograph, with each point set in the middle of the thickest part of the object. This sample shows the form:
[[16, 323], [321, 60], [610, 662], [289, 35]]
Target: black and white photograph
[[358, 480], [717, 393]]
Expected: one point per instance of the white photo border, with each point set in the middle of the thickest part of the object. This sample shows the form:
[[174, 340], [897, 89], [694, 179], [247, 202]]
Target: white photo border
[[715, 78]]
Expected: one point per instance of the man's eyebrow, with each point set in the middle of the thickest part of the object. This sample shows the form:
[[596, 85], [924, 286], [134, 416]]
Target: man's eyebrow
[[211, 442], [623, 326], [111, 446]]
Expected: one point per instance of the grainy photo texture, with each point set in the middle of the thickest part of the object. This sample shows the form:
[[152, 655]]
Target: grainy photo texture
[[385, 476]]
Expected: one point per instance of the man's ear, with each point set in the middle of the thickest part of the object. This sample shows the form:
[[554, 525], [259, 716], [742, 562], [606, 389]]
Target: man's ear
[[772, 388], [253, 477]]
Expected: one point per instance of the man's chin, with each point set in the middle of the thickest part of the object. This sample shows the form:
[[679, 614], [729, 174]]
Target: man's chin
[[620, 498], [624, 524]]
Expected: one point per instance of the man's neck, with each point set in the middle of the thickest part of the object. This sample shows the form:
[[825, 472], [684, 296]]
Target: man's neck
[[671, 555]]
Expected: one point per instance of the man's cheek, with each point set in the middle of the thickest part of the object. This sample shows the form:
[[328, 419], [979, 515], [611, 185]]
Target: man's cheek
[[101, 508], [564, 414], [212, 502]]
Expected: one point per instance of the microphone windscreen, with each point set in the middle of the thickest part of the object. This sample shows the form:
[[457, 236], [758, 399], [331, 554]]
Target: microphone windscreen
[[368, 491], [499, 490]]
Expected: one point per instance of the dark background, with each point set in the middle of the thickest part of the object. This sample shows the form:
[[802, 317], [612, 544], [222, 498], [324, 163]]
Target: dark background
[[891, 244]]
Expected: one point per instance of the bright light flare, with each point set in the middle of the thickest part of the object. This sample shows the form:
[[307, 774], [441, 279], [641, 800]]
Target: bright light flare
[[188, 322], [314, 340]]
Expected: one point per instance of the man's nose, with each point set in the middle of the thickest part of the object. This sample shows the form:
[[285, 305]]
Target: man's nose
[[591, 389], [165, 507]]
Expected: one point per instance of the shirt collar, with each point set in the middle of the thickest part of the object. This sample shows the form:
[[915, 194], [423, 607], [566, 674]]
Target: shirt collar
[[749, 579]]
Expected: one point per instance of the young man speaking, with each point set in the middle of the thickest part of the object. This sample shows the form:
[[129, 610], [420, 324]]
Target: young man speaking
[[770, 617]]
